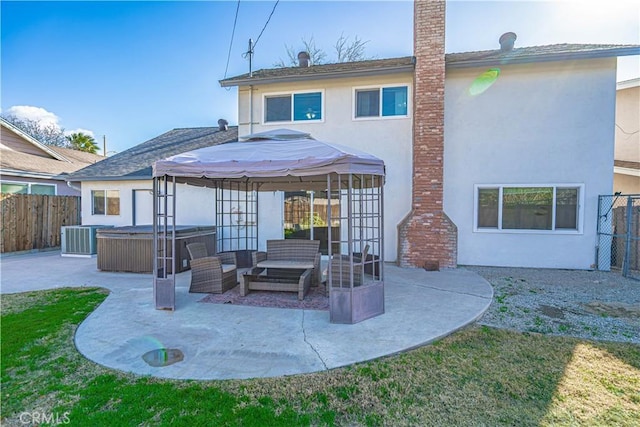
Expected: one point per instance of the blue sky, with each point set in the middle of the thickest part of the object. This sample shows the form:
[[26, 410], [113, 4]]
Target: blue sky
[[135, 69]]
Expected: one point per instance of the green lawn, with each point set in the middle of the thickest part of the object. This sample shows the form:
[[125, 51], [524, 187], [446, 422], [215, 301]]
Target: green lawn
[[478, 376]]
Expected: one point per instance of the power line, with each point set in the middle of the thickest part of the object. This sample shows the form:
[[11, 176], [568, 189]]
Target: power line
[[231, 42], [266, 23]]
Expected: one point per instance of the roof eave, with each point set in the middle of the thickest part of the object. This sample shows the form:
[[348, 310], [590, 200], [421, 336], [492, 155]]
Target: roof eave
[[408, 68], [108, 178], [626, 171], [568, 56], [29, 174]]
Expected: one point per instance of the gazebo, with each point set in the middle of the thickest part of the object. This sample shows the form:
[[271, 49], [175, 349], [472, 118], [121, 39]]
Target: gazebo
[[283, 160]]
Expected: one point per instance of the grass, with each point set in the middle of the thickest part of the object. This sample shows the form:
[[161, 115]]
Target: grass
[[478, 376]]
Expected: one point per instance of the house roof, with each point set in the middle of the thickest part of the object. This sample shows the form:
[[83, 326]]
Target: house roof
[[31, 140], [27, 165], [136, 162], [326, 71], [525, 55], [556, 52]]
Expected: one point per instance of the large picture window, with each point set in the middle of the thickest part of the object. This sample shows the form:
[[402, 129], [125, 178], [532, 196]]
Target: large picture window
[[381, 102], [105, 202], [548, 208], [293, 107]]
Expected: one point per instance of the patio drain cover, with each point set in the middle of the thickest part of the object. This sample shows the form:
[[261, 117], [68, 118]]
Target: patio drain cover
[[163, 357]]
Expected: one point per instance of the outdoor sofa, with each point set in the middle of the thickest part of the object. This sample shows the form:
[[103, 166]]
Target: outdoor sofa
[[292, 250], [291, 265]]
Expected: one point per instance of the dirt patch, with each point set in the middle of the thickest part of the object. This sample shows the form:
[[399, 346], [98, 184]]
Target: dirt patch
[[614, 309], [550, 311], [586, 304]]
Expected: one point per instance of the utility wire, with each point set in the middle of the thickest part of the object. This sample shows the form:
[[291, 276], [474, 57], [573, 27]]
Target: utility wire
[[231, 42], [266, 23]]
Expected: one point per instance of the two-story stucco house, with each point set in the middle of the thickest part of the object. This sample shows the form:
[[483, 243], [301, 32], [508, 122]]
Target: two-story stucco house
[[492, 158]]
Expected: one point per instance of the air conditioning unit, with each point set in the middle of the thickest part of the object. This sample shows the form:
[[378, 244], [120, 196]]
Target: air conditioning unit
[[80, 240]]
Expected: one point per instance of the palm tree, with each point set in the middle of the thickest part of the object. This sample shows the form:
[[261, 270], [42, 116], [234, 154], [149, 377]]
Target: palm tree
[[83, 142]]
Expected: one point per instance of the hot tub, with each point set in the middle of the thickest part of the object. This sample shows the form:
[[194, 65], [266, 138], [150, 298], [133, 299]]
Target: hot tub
[[130, 248]]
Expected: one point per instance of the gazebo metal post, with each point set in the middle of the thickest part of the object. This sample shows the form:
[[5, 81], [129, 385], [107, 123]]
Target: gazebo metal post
[[357, 296], [164, 242]]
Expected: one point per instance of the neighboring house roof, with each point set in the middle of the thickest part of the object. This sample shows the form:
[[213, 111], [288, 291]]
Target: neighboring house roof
[[136, 162], [29, 139], [557, 52], [26, 157], [626, 168], [627, 84]]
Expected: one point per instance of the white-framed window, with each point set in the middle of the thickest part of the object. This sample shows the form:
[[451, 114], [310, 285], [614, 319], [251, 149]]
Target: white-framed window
[[14, 187], [529, 208], [381, 101], [105, 202], [294, 107]]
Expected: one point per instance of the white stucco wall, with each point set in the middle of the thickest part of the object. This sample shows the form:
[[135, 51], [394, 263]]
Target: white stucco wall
[[195, 205], [548, 123], [386, 138]]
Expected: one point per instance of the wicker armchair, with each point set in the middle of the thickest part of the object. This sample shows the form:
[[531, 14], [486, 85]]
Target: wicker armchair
[[211, 274], [341, 271]]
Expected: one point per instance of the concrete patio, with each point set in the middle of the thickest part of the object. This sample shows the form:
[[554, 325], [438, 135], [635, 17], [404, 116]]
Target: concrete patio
[[223, 341]]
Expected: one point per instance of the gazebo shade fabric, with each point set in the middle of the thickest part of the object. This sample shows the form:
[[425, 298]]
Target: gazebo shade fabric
[[277, 160]]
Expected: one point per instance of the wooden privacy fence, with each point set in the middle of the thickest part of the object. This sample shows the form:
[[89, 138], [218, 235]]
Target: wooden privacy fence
[[34, 221]]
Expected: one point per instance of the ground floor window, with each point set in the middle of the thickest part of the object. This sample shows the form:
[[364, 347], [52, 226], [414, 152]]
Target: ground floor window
[[105, 202], [505, 207], [28, 188], [306, 217]]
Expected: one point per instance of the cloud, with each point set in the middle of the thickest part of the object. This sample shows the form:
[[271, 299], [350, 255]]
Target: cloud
[[38, 114], [80, 130], [42, 116]]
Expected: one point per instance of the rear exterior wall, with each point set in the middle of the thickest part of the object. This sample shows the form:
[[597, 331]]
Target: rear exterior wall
[[538, 124], [387, 138]]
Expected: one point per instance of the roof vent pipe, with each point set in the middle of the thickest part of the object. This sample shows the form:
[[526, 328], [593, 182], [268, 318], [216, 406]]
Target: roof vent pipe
[[223, 125], [506, 41], [303, 59]]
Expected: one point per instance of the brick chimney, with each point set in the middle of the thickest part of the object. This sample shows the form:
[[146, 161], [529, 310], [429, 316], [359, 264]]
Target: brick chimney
[[426, 237]]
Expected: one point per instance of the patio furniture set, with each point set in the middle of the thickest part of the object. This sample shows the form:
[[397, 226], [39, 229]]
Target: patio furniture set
[[289, 265]]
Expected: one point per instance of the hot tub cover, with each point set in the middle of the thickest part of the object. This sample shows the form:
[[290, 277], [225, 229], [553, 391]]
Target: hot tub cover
[[277, 159]]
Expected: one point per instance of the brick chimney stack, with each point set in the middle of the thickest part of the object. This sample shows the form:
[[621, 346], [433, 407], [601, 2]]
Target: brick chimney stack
[[427, 237]]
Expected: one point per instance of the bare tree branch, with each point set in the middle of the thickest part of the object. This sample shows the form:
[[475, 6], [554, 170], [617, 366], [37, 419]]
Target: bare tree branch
[[346, 51], [46, 134]]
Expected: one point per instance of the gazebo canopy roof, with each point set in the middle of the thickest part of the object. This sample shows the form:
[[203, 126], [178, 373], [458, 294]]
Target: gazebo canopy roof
[[280, 159]]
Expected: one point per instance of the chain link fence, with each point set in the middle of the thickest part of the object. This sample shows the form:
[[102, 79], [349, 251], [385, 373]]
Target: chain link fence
[[619, 234]]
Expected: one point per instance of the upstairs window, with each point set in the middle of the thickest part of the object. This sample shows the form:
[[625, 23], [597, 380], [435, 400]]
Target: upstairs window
[[105, 202], [305, 106], [381, 102], [549, 208]]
